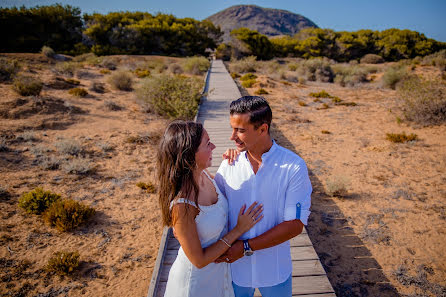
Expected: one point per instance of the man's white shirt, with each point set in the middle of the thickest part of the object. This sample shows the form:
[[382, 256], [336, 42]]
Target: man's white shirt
[[283, 187]]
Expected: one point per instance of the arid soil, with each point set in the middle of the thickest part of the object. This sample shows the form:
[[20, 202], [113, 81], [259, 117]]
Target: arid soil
[[384, 237]]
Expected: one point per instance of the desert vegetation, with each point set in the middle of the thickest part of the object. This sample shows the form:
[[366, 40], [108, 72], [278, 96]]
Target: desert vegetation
[[372, 134], [77, 167]]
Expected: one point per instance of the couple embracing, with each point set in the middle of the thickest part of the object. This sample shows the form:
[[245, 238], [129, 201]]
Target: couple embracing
[[234, 228]]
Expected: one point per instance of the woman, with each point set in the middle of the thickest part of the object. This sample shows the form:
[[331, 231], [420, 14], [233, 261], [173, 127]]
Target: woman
[[193, 205]]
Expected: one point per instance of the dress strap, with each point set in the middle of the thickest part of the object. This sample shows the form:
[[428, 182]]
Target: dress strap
[[205, 172], [182, 200]]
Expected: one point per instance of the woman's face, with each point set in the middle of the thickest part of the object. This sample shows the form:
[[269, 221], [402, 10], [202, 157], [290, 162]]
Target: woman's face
[[203, 156]]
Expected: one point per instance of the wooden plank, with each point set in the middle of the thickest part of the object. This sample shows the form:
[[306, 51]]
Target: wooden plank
[[301, 240], [303, 253], [311, 285], [307, 268], [154, 282]]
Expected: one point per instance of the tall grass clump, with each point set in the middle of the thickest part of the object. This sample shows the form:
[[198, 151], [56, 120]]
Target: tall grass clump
[[350, 75], [337, 186], [47, 52], [316, 70], [423, 102], [171, 96], [8, 68], [244, 65], [437, 59], [66, 68], [196, 65], [37, 201], [63, 263], [121, 80], [67, 214], [27, 86], [393, 76]]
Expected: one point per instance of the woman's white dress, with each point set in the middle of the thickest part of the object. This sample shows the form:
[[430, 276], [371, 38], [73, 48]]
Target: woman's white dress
[[186, 280]]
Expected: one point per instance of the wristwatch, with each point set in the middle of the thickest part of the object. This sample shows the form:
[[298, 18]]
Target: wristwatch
[[247, 251]]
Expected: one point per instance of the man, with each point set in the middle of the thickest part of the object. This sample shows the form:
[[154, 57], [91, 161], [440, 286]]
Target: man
[[272, 175]]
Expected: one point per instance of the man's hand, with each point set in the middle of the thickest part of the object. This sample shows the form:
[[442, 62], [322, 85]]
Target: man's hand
[[234, 253]]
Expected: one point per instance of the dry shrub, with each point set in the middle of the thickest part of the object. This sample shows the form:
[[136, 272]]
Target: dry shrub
[[196, 65], [89, 59], [67, 214], [155, 65], [27, 136], [49, 163], [110, 105], [175, 68], [141, 73], [437, 59], [150, 137], [66, 68], [121, 80], [400, 137], [248, 83], [321, 94], [372, 59], [8, 68], [423, 102], [316, 70], [37, 201], [337, 186], [261, 91], [68, 146], [78, 166], [248, 64], [63, 263], [393, 76], [97, 87], [47, 51], [109, 63], [78, 92], [171, 96], [248, 76], [149, 187], [27, 86], [351, 75]]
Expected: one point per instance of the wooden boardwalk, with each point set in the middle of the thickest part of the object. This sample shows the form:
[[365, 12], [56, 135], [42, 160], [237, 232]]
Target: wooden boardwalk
[[309, 278]]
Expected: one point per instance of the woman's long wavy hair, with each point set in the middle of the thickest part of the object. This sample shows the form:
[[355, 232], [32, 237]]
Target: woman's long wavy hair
[[175, 165]]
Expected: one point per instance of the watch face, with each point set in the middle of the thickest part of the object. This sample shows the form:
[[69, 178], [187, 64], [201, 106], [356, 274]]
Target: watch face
[[248, 253]]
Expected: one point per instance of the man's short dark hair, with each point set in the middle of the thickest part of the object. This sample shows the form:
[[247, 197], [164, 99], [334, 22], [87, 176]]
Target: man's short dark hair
[[256, 106]]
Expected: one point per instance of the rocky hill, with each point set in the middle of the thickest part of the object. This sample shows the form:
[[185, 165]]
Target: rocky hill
[[271, 22]]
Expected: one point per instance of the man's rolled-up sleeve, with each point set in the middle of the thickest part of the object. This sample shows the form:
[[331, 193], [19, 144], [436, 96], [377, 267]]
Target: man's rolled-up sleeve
[[298, 195]]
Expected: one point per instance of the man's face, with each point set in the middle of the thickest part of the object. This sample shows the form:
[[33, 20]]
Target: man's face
[[243, 132]]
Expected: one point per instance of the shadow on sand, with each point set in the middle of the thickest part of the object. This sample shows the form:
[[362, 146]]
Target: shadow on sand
[[349, 265]]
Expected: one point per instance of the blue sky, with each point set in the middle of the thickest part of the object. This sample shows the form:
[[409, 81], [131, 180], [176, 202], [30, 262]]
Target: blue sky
[[425, 16]]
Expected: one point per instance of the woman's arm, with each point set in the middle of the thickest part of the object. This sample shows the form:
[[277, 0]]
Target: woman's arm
[[186, 232]]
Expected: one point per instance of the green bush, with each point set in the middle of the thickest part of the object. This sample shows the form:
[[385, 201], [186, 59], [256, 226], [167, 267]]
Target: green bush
[[121, 80], [248, 83], [248, 76], [424, 102], [78, 92], [248, 64], [67, 214], [393, 76], [401, 137], [149, 187], [171, 96], [27, 86], [196, 65], [235, 75], [8, 68], [321, 94], [89, 59], [371, 59], [63, 263], [37, 200], [261, 91], [437, 59], [48, 52], [141, 73]]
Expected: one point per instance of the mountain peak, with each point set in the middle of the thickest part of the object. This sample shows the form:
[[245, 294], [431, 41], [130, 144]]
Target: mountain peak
[[268, 21]]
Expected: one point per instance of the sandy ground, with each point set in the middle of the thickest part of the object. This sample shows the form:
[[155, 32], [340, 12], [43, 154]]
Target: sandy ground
[[386, 236], [392, 219]]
